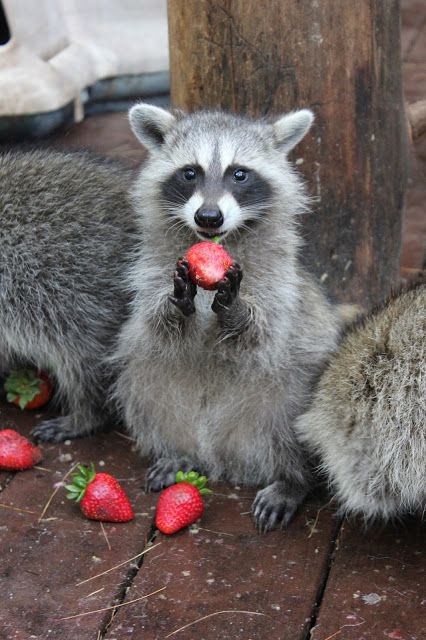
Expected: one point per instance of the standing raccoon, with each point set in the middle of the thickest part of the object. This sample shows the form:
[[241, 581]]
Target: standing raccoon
[[66, 234], [367, 421], [214, 381]]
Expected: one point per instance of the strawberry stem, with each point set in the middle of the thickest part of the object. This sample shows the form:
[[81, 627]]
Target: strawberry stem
[[80, 480], [194, 478], [23, 384]]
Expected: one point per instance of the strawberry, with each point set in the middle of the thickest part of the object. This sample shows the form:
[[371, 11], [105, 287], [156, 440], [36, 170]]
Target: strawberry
[[208, 262], [181, 504], [28, 389], [100, 496], [17, 452]]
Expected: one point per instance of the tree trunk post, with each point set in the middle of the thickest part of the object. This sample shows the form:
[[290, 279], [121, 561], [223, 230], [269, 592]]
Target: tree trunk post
[[342, 60]]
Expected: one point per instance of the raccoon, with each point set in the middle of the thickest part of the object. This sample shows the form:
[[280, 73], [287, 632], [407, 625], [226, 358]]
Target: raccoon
[[214, 381], [67, 231], [367, 421]]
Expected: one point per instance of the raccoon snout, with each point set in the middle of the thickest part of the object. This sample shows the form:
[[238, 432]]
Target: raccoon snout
[[211, 218]]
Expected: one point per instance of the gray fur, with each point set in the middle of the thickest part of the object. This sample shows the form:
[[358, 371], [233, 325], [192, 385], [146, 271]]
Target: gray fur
[[367, 422], [66, 234], [223, 387]]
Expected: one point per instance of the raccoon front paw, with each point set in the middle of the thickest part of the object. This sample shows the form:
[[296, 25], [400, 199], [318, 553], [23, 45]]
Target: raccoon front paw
[[56, 430], [162, 473], [184, 289], [228, 288], [275, 507]]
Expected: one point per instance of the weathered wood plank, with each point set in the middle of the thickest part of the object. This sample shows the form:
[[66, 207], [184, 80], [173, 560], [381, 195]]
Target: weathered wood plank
[[377, 586], [342, 59], [42, 562], [108, 134], [226, 565]]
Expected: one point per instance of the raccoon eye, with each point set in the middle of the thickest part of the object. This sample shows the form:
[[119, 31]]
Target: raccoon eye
[[240, 175], [189, 173]]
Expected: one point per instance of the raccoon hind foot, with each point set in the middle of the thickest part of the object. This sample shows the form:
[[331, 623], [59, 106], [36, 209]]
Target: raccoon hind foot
[[57, 430], [275, 506], [162, 473]]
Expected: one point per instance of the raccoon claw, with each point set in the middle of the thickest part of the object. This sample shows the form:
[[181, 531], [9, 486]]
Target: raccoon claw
[[184, 289], [162, 473], [54, 430], [272, 508], [228, 288], [182, 268]]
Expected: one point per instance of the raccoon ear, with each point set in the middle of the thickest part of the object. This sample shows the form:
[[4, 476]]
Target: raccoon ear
[[291, 128], [150, 124]]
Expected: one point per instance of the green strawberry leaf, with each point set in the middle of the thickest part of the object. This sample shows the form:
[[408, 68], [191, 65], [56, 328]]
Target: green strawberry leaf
[[79, 482], [180, 476], [194, 478], [23, 384], [84, 476], [200, 482]]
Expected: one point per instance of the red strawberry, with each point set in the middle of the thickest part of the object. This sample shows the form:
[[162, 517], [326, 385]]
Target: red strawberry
[[28, 389], [181, 504], [100, 496], [17, 452], [208, 263]]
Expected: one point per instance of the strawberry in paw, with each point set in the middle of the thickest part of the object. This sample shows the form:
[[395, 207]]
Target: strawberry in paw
[[17, 452], [28, 389], [181, 504], [208, 262], [99, 495]]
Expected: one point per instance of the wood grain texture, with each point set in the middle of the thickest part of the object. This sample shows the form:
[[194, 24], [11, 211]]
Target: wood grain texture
[[340, 59], [42, 562], [247, 585], [376, 586]]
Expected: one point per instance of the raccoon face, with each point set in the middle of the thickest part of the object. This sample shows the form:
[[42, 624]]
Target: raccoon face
[[216, 172], [213, 200]]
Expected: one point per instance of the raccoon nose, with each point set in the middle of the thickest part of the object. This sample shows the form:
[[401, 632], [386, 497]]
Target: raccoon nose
[[209, 218]]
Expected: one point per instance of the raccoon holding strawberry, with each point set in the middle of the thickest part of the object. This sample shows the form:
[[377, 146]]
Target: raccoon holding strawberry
[[213, 380], [206, 380]]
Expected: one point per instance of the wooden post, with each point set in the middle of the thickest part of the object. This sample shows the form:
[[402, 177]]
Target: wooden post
[[341, 59]]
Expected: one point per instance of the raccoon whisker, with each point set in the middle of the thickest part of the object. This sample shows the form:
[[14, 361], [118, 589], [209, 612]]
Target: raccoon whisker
[[256, 214], [247, 229], [167, 209], [179, 200], [176, 222], [259, 204], [176, 229], [177, 195], [177, 226], [259, 215], [236, 233], [168, 212], [173, 208]]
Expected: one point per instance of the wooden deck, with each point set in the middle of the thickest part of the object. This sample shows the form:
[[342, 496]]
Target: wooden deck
[[323, 578], [320, 577]]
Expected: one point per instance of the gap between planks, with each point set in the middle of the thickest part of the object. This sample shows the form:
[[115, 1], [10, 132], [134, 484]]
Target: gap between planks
[[125, 586], [325, 574]]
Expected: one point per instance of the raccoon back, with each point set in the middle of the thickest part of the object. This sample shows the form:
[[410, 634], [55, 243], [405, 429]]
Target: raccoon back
[[66, 230], [367, 421]]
